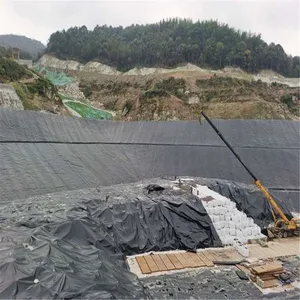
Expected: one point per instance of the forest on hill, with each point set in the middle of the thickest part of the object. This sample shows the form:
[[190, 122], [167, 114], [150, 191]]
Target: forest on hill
[[172, 42]]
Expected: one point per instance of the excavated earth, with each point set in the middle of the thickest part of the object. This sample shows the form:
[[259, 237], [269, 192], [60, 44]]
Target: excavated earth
[[77, 196], [229, 93]]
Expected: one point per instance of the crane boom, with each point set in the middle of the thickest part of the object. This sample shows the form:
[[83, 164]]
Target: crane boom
[[292, 224]]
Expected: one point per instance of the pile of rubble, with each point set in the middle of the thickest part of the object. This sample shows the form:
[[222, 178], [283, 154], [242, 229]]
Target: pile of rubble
[[73, 91]]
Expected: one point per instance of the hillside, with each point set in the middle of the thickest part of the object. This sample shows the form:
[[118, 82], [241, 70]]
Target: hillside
[[27, 46], [170, 94], [150, 93], [181, 96], [169, 43], [23, 89]]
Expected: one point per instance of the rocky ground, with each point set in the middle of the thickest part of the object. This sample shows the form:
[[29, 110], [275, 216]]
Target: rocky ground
[[217, 283], [9, 97]]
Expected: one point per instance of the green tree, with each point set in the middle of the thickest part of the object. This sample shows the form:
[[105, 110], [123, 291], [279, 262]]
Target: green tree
[[220, 48], [171, 42]]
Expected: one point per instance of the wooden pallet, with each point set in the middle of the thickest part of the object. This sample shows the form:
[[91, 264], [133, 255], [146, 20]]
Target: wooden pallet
[[180, 260], [160, 262], [276, 248]]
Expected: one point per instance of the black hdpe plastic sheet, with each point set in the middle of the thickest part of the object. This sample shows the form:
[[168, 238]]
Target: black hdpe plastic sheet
[[31, 126], [42, 153], [83, 255]]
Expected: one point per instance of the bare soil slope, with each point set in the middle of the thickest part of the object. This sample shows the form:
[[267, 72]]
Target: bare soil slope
[[181, 95]]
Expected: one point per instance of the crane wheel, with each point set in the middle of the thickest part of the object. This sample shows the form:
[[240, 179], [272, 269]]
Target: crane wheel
[[282, 234]]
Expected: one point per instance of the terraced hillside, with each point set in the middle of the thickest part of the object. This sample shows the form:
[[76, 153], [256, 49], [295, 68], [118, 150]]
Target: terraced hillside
[[96, 91], [180, 96]]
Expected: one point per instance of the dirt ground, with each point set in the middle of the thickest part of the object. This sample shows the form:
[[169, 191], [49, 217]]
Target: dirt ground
[[221, 96]]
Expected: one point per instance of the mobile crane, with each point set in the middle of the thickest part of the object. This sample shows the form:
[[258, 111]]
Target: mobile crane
[[283, 227]]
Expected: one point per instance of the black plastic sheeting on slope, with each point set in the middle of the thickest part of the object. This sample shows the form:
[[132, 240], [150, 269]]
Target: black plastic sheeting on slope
[[27, 126], [57, 269], [82, 256], [35, 169], [42, 153]]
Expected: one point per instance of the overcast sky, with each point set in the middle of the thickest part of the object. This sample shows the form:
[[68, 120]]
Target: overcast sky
[[277, 21]]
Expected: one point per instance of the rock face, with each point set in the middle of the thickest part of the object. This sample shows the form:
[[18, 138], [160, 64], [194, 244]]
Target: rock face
[[72, 90], [265, 76], [9, 97], [53, 62]]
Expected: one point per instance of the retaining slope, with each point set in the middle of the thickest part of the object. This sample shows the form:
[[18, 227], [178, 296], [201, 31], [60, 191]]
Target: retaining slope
[[41, 153], [9, 97]]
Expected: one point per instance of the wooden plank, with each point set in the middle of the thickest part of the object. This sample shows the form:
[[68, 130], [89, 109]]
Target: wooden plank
[[289, 248], [267, 284], [208, 255], [175, 261], [151, 263], [220, 256], [226, 255], [190, 262], [182, 260], [273, 267], [213, 255], [203, 257], [143, 265], [253, 277], [160, 264], [282, 248], [273, 251], [265, 278], [198, 261], [167, 262]]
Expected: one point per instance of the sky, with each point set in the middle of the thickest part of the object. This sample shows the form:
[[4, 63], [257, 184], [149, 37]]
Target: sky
[[277, 21]]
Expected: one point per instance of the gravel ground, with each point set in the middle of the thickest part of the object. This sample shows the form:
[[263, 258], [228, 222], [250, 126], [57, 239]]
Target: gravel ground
[[214, 284]]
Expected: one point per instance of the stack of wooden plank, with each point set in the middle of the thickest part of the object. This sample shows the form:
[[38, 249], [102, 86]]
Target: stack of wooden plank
[[266, 275]]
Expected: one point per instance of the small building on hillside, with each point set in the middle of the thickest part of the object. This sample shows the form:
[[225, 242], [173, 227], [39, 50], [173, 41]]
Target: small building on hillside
[[15, 54]]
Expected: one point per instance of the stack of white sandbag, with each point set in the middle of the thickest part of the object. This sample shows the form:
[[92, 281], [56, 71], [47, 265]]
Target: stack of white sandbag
[[233, 226]]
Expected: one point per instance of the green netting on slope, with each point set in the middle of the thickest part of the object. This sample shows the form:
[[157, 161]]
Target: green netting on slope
[[60, 79], [88, 112], [57, 78]]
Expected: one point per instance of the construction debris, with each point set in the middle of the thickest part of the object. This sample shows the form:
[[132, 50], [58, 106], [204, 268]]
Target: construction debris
[[242, 275], [266, 275]]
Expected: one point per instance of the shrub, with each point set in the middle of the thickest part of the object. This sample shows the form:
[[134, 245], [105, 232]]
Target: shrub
[[288, 100], [155, 93], [127, 107], [87, 91], [12, 71]]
